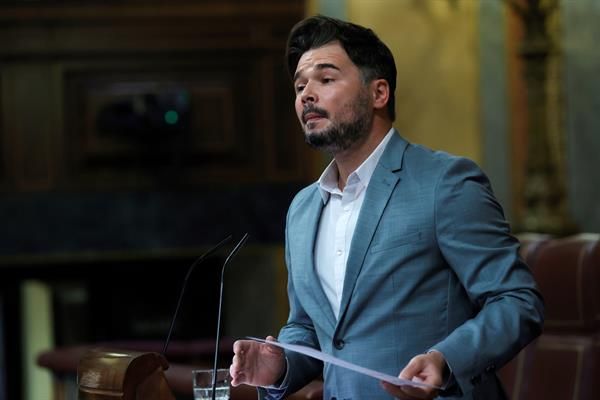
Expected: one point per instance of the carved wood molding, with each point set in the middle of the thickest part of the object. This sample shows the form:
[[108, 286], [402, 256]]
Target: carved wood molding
[[66, 29]]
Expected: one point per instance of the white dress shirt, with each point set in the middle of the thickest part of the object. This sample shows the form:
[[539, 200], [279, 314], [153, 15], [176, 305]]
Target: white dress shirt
[[338, 220]]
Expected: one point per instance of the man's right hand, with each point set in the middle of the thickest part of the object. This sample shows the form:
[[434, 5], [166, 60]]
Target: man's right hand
[[256, 364]]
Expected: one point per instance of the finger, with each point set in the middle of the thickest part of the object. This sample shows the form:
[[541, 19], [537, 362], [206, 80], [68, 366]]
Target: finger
[[397, 391], [271, 339], [237, 379], [413, 368], [234, 374], [236, 361], [418, 393], [273, 349], [236, 370], [240, 345]]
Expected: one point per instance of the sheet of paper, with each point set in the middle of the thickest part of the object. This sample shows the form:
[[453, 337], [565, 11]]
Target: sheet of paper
[[308, 351]]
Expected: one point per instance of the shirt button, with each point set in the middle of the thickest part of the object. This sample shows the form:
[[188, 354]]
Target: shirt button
[[339, 344], [339, 252]]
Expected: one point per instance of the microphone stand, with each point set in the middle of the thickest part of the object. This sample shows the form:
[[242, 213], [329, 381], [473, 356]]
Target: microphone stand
[[231, 255], [198, 261]]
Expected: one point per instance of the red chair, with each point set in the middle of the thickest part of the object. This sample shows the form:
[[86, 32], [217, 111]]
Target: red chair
[[564, 363], [512, 373]]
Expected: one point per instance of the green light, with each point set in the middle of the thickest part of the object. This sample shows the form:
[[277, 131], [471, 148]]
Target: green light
[[171, 117]]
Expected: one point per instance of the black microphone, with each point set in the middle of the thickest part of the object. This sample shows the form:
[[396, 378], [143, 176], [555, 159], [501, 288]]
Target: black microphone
[[231, 255], [198, 261]]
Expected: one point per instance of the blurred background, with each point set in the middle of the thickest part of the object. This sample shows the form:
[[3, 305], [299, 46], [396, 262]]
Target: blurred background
[[135, 134]]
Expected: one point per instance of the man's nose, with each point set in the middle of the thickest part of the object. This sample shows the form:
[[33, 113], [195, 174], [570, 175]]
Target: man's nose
[[308, 94]]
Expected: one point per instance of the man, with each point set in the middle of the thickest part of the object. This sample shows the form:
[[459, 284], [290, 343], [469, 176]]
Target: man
[[399, 258]]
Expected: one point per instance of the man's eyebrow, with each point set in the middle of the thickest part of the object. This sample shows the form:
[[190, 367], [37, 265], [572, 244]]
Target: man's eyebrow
[[318, 67]]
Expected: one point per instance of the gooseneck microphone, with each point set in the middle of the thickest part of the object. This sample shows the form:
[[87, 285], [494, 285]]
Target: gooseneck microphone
[[231, 255], [187, 276]]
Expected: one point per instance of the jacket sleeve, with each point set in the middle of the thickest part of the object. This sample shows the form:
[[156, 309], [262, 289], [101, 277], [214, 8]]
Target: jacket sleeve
[[475, 240]]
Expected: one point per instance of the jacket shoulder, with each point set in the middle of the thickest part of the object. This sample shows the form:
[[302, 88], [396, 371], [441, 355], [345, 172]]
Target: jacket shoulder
[[421, 160]]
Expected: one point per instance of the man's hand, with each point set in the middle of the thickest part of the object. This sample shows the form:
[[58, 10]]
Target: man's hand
[[426, 368], [256, 364]]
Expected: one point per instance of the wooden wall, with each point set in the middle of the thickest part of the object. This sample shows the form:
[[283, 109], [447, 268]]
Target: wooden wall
[[85, 88], [133, 134]]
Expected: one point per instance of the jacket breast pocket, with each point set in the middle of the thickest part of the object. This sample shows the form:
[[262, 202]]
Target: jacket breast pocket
[[396, 242]]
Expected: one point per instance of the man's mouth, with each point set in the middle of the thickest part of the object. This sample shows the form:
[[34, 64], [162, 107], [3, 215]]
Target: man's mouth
[[312, 115]]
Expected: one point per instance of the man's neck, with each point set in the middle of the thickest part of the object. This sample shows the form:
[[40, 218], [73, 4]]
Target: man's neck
[[349, 160]]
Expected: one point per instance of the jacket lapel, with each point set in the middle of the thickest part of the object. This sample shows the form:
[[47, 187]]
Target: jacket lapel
[[382, 184]]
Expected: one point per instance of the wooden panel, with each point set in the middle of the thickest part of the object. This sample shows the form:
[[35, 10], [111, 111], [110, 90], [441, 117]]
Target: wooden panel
[[30, 122], [96, 183], [144, 94], [121, 120], [149, 26]]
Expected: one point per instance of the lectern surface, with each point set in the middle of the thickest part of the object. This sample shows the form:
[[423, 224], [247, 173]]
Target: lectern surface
[[109, 374]]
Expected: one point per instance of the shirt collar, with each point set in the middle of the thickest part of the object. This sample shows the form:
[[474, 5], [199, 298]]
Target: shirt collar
[[328, 181]]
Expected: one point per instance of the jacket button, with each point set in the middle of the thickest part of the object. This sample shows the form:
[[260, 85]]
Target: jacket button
[[339, 344], [475, 379], [490, 368]]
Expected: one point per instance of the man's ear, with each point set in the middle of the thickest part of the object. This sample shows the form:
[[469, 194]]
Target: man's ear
[[380, 90]]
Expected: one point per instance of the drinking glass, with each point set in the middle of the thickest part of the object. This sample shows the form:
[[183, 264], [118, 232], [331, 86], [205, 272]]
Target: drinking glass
[[203, 379]]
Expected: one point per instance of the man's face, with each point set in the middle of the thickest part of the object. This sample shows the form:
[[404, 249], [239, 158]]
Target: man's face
[[332, 102]]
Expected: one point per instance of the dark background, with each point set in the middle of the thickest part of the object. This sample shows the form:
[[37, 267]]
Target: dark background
[[133, 136]]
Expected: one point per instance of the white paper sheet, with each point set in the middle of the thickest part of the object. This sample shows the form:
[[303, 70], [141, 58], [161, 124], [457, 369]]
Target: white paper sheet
[[308, 351]]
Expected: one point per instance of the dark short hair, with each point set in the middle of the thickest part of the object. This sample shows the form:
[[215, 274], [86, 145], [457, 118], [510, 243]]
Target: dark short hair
[[372, 57]]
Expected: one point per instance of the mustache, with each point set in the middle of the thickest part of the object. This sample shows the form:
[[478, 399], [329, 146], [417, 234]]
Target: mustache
[[311, 109]]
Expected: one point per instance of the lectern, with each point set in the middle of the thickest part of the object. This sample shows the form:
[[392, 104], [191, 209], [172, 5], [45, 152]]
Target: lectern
[[105, 374]]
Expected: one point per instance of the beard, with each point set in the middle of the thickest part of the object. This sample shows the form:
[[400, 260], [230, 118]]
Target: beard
[[341, 135]]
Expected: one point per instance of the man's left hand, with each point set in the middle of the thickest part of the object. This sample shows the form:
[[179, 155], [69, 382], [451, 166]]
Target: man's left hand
[[426, 368]]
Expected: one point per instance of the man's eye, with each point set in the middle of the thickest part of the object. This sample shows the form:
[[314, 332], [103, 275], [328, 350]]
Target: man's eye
[[299, 88], [327, 80]]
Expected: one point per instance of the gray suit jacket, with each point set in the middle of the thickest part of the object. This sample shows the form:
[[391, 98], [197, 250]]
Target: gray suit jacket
[[432, 265]]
